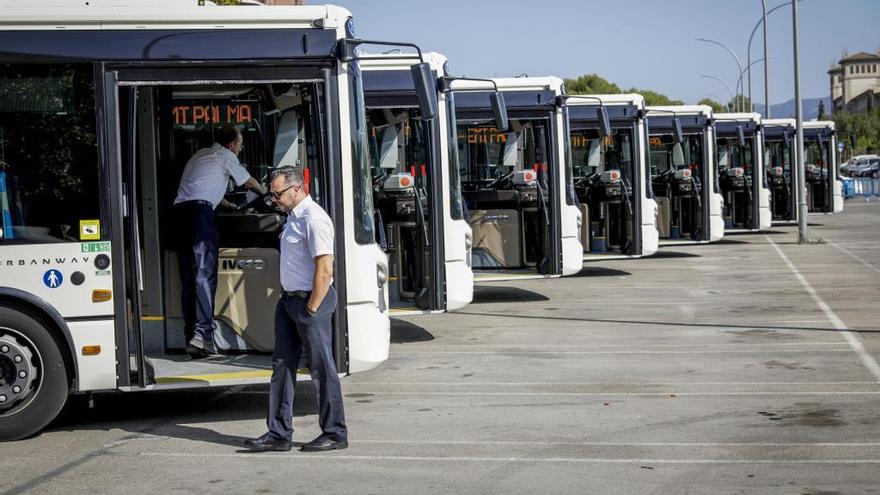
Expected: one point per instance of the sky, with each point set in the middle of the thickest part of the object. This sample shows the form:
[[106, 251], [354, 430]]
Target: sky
[[632, 43]]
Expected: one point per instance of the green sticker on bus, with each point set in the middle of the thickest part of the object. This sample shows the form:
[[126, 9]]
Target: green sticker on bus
[[95, 247]]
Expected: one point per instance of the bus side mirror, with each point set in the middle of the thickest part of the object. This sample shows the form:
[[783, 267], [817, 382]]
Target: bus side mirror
[[677, 132], [499, 108], [426, 90], [740, 136], [604, 121], [787, 137]]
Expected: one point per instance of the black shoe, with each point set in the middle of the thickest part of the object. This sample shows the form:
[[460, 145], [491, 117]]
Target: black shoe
[[323, 443], [267, 443], [204, 346]]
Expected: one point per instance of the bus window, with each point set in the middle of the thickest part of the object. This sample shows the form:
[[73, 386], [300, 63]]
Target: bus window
[[49, 171], [364, 223]]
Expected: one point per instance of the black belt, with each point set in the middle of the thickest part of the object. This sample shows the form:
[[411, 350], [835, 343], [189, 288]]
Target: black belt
[[297, 293], [194, 202]]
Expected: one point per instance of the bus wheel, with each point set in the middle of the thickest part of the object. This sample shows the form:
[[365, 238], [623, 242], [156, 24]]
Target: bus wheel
[[33, 377]]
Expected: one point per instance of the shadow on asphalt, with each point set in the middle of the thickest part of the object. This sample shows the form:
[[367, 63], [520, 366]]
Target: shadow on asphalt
[[171, 414], [493, 294], [729, 241], [664, 323], [403, 332], [597, 271], [663, 253]]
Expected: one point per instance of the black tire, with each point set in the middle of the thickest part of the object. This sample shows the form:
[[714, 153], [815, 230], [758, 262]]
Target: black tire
[[50, 392]]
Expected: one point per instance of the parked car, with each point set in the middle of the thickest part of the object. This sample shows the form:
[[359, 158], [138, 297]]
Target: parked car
[[852, 166], [870, 169]]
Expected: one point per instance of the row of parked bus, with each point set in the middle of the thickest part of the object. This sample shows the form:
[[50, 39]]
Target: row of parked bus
[[434, 182]]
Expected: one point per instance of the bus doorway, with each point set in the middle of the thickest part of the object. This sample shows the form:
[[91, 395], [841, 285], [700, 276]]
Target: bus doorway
[[610, 176], [524, 219], [739, 145], [683, 175], [280, 126], [824, 192], [779, 157]]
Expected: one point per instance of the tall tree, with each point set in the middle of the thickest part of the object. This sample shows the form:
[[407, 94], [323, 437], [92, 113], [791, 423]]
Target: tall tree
[[717, 107]]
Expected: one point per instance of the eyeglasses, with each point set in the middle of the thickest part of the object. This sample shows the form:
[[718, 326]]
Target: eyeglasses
[[277, 194]]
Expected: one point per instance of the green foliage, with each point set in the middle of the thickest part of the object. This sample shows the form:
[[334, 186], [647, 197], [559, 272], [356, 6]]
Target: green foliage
[[735, 103], [592, 84], [865, 126], [716, 106], [654, 98]]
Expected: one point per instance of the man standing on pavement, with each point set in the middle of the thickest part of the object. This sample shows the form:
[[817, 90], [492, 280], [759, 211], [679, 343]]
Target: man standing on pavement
[[201, 189], [303, 320]]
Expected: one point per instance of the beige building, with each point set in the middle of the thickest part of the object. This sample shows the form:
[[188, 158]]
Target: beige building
[[855, 83]]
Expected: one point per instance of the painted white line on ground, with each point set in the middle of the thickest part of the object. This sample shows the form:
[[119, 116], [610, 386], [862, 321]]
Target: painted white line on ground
[[588, 353], [623, 394], [854, 341], [570, 460], [588, 384], [854, 256], [594, 346], [620, 444]]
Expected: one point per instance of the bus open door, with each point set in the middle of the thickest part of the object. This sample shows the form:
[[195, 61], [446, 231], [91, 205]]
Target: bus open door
[[739, 153], [683, 174], [523, 212]]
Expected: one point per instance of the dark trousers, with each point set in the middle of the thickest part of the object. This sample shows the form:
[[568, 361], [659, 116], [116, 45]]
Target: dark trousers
[[297, 332], [197, 261]]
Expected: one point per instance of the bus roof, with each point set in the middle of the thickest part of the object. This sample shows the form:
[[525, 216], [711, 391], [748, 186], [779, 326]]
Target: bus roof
[[615, 99], [819, 124], [681, 109], [401, 61], [126, 15], [779, 122], [551, 83], [738, 117]]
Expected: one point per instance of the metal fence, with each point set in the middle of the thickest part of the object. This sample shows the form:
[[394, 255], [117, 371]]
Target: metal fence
[[862, 188]]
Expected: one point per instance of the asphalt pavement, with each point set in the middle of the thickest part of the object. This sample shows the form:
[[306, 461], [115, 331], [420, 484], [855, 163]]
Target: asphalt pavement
[[747, 366]]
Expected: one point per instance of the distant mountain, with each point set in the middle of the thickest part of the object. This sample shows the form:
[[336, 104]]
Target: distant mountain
[[786, 110]]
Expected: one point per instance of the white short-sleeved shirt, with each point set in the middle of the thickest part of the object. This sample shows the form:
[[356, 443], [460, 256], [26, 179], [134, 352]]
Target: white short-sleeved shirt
[[207, 173], [308, 233]]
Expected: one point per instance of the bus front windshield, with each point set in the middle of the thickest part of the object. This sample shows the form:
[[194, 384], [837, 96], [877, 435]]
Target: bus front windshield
[[731, 155], [668, 156], [398, 142], [490, 156], [817, 156], [592, 154]]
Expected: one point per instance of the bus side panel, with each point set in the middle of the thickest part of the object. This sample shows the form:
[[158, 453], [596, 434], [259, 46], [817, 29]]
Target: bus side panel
[[50, 272], [96, 372], [570, 215], [716, 221], [765, 216], [459, 276], [650, 210], [837, 191]]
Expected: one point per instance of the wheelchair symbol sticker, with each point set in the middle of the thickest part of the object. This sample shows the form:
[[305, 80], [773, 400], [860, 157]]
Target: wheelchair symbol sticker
[[53, 278]]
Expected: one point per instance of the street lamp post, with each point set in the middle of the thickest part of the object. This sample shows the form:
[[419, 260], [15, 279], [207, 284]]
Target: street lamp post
[[739, 82], [763, 21], [722, 45], [799, 119], [732, 99]]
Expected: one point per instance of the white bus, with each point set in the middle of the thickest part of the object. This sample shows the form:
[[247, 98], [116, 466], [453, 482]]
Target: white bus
[[824, 190], [419, 203], [739, 144], [610, 173], [516, 183], [683, 174], [101, 109]]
